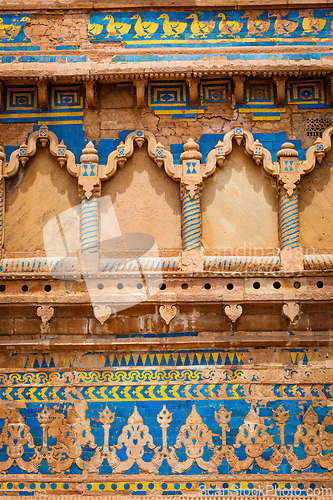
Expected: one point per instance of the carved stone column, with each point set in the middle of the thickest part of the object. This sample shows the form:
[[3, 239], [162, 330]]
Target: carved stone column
[[90, 185], [191, 184], [288, 178]]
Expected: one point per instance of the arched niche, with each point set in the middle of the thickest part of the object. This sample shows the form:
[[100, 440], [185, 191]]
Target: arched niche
[[316, 206], [239, 206], [146, 200], [38, 192]]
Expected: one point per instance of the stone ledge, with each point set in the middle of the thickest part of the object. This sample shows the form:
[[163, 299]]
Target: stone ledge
[[24, 5]]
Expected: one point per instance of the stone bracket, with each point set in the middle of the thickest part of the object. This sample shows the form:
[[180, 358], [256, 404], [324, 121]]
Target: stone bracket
[[43, 94], [91, 95], [193, 89], [280, 84], [140, 86], [239, 82]]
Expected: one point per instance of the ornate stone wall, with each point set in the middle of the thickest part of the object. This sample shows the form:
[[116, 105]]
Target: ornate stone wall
[[166, 250]]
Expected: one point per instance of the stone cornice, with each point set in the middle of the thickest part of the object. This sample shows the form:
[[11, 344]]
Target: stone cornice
[[114, 71], [91, 5]]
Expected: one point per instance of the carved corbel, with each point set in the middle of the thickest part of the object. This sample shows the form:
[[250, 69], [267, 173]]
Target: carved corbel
[[193, 90], [2, 96], [167, 312], [91, 96], [43, 94], [291, 310], [280, 85], [233, 311], [239, 81], [45, 313], [140, 86], [102, 312]]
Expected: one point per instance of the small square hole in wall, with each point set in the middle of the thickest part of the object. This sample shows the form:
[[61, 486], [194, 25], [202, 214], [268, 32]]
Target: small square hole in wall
[[316, 126]]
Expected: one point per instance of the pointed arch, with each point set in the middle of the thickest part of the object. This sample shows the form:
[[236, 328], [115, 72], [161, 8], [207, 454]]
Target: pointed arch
[[26, 151], [156, 152]]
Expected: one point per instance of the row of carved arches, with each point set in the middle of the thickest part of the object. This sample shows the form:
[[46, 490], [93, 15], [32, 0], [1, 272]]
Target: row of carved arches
[[238, 201]]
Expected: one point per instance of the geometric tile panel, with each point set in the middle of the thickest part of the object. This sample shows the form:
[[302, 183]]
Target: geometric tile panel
[[260, 100], [309, 93], [65, 105], [19, 98], [66, 97], [171, 98], [215, 91]]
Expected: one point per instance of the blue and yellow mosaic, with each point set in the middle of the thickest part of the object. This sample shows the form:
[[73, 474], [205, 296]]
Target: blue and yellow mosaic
[[227, 28], [170, 487], [169, 359], [220, 436], [171, 98], [12, 31], [171, 414], [259, 99], [65, 105], [307, 94]]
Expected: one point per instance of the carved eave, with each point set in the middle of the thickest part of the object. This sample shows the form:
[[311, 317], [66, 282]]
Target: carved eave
[[12, 73]]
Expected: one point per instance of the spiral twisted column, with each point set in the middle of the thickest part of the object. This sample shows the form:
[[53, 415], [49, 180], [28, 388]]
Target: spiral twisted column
[[191, 220], [288, 219], [89, 224], [289, 174], [191, 185], [90, 185]]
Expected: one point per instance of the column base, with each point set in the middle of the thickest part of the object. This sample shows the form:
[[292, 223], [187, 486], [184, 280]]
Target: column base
[[193, 260], [291, 259], [89, 262]]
